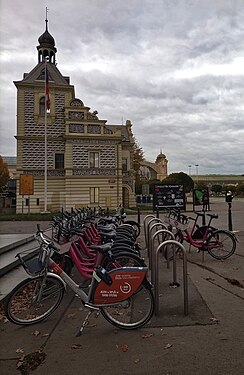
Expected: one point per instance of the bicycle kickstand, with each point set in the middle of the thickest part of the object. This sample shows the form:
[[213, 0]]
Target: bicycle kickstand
[[86, 321]]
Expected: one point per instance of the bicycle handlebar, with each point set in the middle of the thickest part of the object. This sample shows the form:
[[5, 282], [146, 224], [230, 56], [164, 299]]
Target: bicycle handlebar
[[44, 240]]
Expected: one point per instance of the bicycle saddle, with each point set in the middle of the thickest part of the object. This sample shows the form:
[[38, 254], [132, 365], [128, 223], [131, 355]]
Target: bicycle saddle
[[102, 249], [199, 213], [213, 216]]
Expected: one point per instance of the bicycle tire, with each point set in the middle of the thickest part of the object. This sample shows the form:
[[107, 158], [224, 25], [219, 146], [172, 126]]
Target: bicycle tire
[[221, 244], [123, 259], [20, 306], [135, 225], [168, 251], [132, 313]]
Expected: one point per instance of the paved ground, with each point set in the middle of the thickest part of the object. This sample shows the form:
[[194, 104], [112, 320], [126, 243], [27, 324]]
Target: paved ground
[[211, 344]]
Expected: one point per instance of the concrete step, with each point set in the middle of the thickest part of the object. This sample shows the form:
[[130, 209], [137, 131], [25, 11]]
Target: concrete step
[[11, 272], [11, 241], [8, 260]]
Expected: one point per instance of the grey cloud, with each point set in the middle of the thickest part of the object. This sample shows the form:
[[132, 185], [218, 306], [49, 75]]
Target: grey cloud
[[123, 58]]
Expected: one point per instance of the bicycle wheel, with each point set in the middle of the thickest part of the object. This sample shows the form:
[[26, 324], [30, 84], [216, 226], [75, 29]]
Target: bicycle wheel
[[33, 300], [135, 225], [124, 259], [221, 244], [133, 312], [168, 251]]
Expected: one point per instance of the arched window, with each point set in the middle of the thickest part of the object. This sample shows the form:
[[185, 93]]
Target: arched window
[[42, 106]]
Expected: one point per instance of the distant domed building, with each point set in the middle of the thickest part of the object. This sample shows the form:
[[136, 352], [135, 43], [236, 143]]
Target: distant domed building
[[161, 166], [155, 171]]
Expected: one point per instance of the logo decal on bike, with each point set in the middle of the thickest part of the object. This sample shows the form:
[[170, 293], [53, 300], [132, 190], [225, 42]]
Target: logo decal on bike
[[125, 288]]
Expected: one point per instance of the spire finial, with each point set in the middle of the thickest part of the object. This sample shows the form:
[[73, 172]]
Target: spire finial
[[46, 20]]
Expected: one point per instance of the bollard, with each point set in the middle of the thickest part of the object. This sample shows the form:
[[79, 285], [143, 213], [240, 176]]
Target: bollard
[[230, 227], [203, 219], [138, 216]]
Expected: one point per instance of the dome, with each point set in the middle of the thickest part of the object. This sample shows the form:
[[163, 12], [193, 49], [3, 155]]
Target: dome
[[46, 38], [160, 156]]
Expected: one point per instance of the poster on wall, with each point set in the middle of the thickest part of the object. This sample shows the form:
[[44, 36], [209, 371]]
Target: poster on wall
[[26, 184], [169, 196]]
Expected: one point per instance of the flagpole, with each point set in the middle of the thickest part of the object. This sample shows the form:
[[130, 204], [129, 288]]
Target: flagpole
[[45, 144]]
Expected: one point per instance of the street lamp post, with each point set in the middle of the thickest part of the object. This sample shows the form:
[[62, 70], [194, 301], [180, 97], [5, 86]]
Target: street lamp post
[[189, 166], [197, 165]]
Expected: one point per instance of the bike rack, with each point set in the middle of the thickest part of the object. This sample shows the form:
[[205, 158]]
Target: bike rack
[[145, 229], [166, 234], [156, 269], [148, 228], [151, 242]]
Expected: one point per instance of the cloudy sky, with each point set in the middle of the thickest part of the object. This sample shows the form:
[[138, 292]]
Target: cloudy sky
[[175, 68]]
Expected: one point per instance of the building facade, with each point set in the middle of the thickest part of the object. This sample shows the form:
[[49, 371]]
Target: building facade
[[88, 163]]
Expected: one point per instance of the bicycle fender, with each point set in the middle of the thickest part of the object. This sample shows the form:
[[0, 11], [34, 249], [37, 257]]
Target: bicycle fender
[[57, 277]]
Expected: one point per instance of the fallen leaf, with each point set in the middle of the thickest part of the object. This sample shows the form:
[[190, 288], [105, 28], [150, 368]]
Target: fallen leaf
[[36, 333], [76, 346], [147, 335], [209, 279], [20, 362], [136, 360], [168, 346], [234, 282], [19, 350], [45, 334], [124, 347], [214, 320]]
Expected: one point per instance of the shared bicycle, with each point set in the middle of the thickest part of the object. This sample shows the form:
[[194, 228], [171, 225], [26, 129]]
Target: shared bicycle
[[219, 243]]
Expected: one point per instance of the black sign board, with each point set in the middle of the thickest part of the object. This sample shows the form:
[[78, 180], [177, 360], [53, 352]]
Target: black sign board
[[169, 196]]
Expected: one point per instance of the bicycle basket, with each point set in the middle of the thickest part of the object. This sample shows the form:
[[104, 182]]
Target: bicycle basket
[[33, 260]]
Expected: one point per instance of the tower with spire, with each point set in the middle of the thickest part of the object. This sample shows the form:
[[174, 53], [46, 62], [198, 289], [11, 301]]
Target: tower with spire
[[46, 48], [68, 148]]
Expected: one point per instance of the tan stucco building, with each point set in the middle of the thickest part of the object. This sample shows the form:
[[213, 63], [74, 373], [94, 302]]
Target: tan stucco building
[[89, 163]]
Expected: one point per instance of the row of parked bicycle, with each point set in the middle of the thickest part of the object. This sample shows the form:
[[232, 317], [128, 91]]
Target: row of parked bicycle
[[105, 252]]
